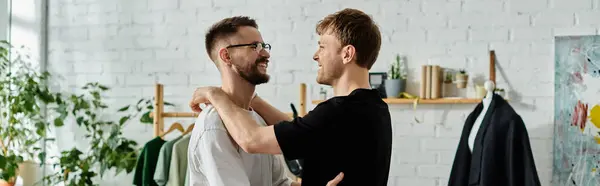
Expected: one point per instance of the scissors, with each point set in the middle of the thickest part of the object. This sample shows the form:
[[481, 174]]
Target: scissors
[[295, 166]]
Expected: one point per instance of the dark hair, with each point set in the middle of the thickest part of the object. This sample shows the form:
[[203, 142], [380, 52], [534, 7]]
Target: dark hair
[[354, 27], [225, 28]]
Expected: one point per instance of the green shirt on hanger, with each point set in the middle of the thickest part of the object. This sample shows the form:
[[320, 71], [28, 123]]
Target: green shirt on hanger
[[146, 165], [161, 175], [187, 179], [178, 166]]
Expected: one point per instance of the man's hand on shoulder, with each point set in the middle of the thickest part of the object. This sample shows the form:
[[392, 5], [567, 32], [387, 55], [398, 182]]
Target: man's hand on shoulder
[[295, 183], [336, 180], [201, 95], [333, 182]]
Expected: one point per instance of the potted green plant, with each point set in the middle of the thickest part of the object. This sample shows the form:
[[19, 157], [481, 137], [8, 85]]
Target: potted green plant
[[396, 78], [500, 92], [461, 79], [109, 149], [28, 111], [447, 77], [24, 113]]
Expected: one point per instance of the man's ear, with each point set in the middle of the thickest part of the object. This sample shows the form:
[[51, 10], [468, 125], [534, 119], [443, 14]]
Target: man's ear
[[224, 56], [348, 53]]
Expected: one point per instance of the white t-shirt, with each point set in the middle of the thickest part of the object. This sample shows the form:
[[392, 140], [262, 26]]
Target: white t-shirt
[[213, 160]]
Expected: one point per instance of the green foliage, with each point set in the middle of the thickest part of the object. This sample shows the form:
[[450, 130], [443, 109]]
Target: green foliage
[[462, 71], [9, 165], [448, 78], [397, 69], [29, 109], [23, 124], [145, 106], [108, 149]]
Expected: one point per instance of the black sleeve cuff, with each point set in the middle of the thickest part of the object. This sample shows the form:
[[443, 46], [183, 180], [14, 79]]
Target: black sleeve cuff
[[285, 138]]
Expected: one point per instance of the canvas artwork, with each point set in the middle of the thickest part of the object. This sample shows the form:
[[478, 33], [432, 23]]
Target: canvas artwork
[[577, 111]]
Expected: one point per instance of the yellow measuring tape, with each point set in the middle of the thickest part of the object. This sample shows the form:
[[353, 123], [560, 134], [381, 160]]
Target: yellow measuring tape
[[415, 103]]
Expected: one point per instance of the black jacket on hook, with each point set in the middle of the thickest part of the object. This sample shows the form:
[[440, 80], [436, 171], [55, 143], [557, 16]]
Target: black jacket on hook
[[501, 153]]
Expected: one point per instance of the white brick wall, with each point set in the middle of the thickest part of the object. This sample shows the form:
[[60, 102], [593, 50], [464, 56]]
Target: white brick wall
[[132, 44]]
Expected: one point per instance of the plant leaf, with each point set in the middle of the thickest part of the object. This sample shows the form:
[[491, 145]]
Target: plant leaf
[[123, 120], [58, 122], [2, 161], [146, 118], [80, 120], [42, 157], [124, 108], [102, 87]]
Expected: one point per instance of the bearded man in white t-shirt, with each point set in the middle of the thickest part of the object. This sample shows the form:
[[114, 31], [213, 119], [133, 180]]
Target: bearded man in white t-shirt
[[237, 49]]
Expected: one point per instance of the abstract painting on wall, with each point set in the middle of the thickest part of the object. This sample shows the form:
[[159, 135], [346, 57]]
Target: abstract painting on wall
[[577, 111]]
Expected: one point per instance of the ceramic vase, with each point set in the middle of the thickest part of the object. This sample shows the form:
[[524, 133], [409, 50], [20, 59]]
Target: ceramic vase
[[393, 87], [461, 80], [30, 173], [481, 92]]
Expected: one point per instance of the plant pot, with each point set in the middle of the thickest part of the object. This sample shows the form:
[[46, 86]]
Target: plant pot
[[501, 93], [393, 87], [461, 80], [30, 173], [4, 183]]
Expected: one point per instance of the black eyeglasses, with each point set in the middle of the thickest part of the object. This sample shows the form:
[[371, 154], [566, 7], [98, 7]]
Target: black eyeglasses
[[256, 46]]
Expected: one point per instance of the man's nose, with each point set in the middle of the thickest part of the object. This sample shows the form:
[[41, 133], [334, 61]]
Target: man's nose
[[265, 53]]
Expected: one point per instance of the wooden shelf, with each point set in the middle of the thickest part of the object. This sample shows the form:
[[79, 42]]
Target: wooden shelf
[[426, 101]]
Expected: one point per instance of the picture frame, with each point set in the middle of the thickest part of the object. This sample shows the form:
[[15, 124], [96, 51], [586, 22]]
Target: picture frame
[[376, 80]]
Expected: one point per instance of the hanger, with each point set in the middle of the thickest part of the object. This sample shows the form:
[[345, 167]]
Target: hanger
[[189, 129], [174, 126]]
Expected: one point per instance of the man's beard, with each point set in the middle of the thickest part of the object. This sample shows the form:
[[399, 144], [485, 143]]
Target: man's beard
[[328, 74], [252, 74]]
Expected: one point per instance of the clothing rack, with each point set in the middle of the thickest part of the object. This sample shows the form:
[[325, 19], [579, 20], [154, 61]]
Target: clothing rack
[[490, 85], [158, 115], [493, 66]]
